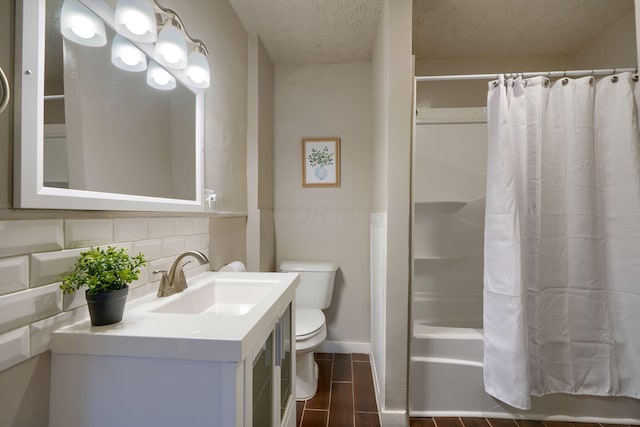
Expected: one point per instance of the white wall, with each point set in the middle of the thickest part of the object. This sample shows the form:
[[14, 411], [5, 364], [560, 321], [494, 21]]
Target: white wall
[[393, 100], [327, 224]]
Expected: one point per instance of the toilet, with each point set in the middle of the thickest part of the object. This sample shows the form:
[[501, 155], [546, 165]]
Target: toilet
[[312, 296]]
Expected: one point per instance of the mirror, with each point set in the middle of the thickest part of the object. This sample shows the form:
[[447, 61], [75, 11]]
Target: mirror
[[93, 136]]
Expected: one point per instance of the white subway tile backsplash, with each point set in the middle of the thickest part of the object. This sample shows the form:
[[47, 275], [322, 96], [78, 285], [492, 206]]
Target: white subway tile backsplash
[[49, 267], [185, 226], [193, 242], [19, 237], [24, 307], [14, 347], [161, 227], [40, 332], [80, 233], [74, 300], [143, 277], [14, 274], [172, 246], [159, 264], [152, 249], [130, 229], [144, 290]]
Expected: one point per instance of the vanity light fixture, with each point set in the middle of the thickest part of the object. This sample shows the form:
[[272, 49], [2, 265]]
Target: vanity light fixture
[[136, 20], [159, 78], [80, 25], [171, 46], [126, 56]]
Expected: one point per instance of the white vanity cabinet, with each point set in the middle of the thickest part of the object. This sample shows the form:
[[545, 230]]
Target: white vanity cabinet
[[179, 370], [269, 378]]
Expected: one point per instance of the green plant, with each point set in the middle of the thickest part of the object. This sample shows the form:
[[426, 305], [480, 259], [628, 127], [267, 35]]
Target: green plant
[[320, 157], [103, 270]]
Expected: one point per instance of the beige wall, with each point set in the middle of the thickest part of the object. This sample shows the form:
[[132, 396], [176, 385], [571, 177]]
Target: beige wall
[[260, 222], [615, 47], [327, 224], [24, 387]]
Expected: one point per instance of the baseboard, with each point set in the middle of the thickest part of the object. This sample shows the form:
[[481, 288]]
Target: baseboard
[[394, 418], [345, 347]]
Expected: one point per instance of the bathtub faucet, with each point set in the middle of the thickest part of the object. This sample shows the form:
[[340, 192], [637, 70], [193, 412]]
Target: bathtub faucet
[[174, 281]]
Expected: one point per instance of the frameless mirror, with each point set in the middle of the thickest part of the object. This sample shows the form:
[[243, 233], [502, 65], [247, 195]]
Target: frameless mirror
[[94, 136]]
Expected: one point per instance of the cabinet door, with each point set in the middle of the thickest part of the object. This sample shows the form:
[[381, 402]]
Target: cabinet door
[[262, 402]]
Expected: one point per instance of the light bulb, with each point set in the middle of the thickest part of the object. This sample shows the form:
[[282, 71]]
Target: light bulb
[[171, 47], [126, 56], [81, 25], [159, 78], [198, 69], [136, 20]]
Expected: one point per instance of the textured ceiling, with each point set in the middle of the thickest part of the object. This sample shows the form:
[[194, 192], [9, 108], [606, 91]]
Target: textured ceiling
[[326, 31], [312, 31], [449, 28]]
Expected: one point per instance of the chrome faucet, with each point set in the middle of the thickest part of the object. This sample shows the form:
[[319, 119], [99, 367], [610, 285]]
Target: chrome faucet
[[174, 281]]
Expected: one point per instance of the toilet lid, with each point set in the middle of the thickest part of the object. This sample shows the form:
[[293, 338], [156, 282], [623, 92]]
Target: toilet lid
[[308, 321]]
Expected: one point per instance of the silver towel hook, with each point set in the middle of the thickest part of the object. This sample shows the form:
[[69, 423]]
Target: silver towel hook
[[5, 93]]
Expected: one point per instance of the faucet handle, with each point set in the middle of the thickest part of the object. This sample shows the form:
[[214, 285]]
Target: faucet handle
[[165, 285]]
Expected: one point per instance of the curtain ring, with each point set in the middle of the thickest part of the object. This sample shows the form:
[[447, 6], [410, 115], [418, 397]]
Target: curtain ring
[[634, 77], [565, 81], [495, 83], [614, 79], [592, 81], [546, 82]]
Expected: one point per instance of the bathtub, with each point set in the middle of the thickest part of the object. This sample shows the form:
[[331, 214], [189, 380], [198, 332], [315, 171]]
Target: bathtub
[[446, 380]]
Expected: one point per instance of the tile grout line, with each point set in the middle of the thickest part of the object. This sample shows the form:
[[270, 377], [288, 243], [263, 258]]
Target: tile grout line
[[353, 391], [330, 389]]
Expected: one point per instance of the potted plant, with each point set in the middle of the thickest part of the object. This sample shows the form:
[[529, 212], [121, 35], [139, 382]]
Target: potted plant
[[106, 274]]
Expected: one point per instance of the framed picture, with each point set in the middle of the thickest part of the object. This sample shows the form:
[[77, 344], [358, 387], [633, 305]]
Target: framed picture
[[321, 162]]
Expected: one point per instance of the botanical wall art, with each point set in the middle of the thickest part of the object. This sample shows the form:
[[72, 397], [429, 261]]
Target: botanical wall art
[[321, 162]]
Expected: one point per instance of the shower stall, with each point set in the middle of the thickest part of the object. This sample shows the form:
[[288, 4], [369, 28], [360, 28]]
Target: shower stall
[[446, 348]]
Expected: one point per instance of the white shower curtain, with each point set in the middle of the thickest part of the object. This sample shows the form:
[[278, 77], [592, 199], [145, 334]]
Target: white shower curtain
[[562, 239]]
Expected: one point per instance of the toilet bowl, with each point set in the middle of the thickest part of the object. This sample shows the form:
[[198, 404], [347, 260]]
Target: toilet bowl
[[312, 296]]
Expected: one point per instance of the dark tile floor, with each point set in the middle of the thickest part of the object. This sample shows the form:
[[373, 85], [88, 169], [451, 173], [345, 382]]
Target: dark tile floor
[[345, 396]]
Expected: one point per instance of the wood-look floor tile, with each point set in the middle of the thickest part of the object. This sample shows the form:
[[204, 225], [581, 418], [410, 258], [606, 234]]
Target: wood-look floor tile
[[557, 424], [421, 422], [341, 409], [529, 423], [617, 425], [321, 399], [313, 418], [475, 422], [357, 357], [500, 422], [323, 356], [363, 391], [447, 422], [299, 410], [589, 425], [341, 367], [366, 419]]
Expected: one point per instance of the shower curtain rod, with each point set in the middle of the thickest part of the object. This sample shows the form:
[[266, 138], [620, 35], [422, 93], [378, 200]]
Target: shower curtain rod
[[572, 73]]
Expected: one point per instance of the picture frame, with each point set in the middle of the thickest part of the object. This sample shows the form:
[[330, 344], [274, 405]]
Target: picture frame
[[321, 162]]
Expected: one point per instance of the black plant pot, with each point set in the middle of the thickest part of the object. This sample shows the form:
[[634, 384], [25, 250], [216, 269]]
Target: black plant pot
[[107, 308]]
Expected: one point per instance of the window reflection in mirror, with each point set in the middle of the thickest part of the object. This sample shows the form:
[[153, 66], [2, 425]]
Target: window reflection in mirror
[[106, 130]]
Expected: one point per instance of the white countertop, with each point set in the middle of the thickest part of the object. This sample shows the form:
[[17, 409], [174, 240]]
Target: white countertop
[[204, 336]]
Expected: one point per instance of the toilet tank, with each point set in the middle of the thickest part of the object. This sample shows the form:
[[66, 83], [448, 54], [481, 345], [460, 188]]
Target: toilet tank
[[316, 282]]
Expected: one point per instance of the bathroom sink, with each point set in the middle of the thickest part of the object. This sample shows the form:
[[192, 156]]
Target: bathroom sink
[[224, 297]]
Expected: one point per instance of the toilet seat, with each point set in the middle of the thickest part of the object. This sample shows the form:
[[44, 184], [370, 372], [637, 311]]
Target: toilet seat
[[308, 323]]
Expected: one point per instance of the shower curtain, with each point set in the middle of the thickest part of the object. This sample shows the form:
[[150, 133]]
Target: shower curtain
[[562, 238]]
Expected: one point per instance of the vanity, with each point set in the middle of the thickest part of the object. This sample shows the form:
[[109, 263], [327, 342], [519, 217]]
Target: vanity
[[220, 353]]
